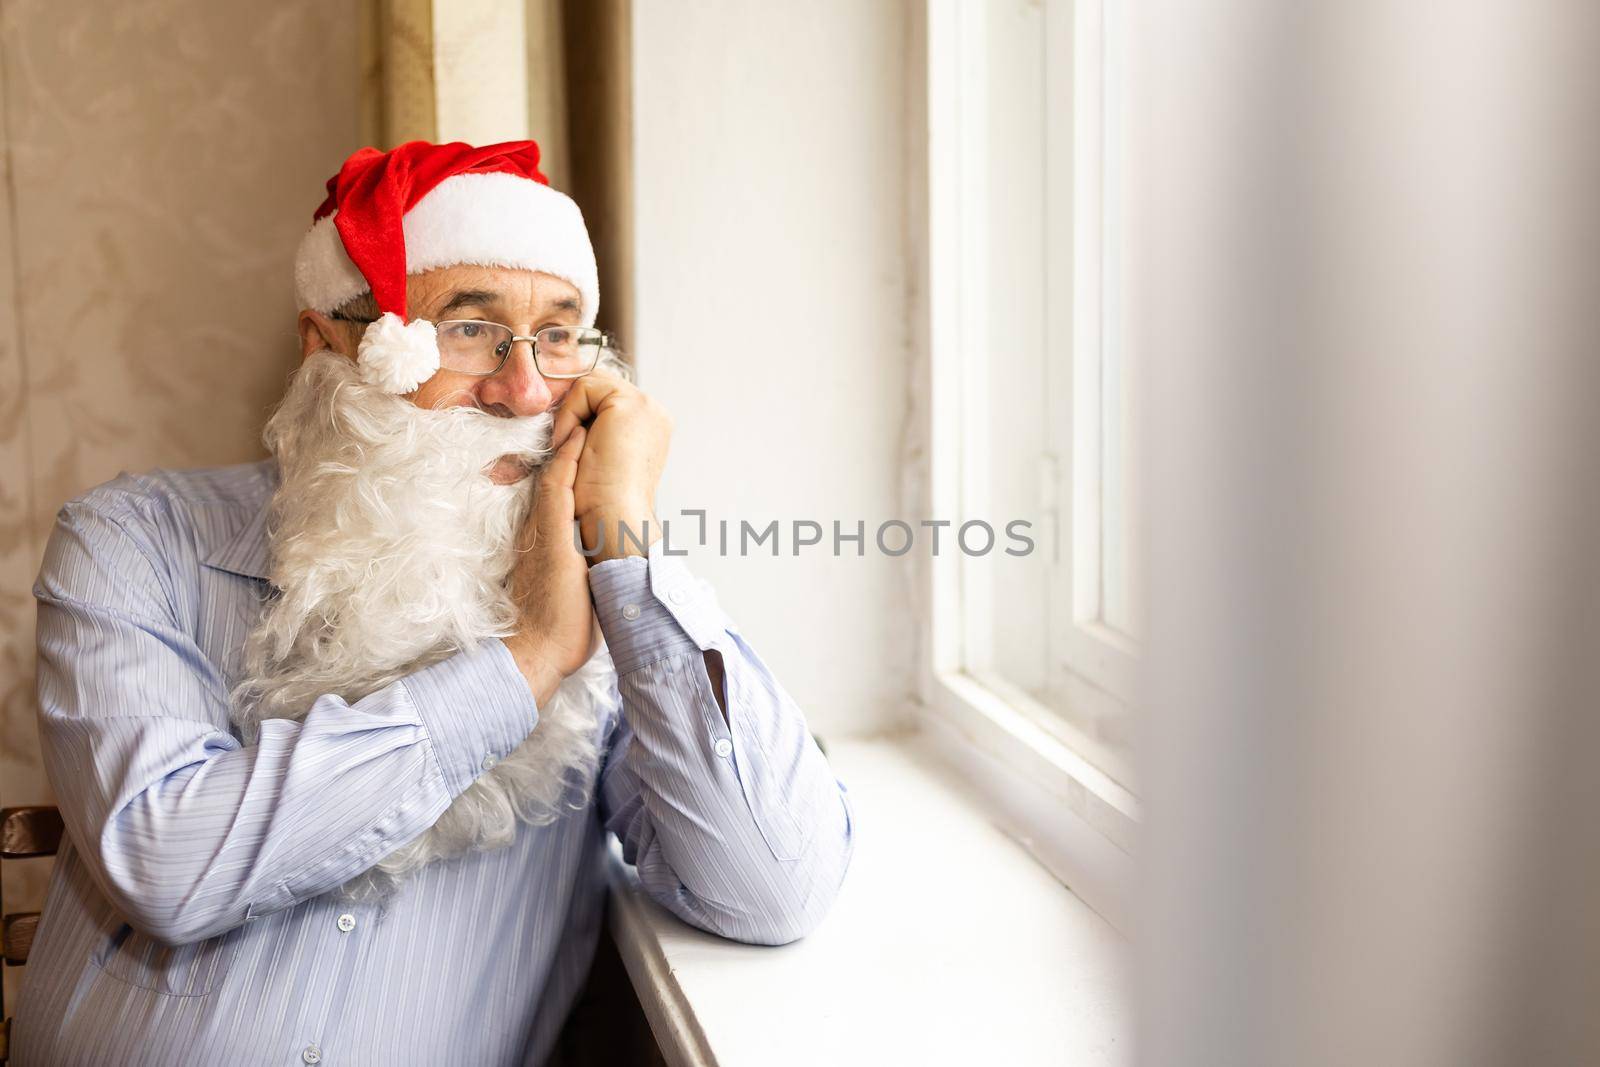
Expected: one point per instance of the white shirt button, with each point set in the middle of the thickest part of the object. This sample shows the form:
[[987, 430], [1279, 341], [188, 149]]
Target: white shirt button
[[311, 1054], [489, 761], [678, 596], [630, 611], [347, 922], [723, 746]]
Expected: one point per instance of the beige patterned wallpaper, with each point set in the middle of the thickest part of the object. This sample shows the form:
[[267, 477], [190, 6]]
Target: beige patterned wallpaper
[[160, 158]]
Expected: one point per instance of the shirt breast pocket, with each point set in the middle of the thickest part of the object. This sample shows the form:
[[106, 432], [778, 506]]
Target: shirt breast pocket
[[191, 970]]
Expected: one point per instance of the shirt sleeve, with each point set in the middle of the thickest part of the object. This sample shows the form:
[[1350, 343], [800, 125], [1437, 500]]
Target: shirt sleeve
[[737, 824], [188, 831]]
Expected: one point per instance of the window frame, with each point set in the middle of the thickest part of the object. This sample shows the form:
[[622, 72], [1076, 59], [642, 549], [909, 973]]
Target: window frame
[[1099, 663], [1040, 772]]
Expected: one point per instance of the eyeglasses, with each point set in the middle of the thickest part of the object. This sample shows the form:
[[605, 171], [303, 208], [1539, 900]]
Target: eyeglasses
[[473, 346]]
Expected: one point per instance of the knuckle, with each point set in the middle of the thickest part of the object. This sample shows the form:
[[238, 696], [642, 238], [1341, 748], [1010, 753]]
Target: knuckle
[[659, 414]]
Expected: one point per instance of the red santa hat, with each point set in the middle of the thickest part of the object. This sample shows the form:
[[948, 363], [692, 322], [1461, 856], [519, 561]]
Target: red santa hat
[[422, 206]]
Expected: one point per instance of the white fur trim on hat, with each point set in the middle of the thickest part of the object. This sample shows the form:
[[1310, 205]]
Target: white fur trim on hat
[[487, 220], [398, 356]]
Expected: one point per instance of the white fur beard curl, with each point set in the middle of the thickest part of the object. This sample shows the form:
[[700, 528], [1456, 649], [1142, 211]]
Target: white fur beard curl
[[391, 549]]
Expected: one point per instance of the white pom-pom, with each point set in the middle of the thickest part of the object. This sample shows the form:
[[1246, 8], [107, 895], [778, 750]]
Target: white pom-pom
[[398, 356]]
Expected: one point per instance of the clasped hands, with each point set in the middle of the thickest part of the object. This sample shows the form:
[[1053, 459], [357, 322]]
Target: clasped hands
[[610, 443]]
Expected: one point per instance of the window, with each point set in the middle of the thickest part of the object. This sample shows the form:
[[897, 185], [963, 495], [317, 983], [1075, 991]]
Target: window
[[1094, 595], [1031, 411]]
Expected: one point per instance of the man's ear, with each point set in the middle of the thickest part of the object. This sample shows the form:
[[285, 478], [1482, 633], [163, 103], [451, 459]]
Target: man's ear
[[318, 331]]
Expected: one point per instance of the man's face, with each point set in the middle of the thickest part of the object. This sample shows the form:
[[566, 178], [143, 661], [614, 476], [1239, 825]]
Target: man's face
[[389, 555], [524, 300]]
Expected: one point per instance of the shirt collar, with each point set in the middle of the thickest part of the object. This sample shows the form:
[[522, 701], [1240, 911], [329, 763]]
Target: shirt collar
[[245, 553]]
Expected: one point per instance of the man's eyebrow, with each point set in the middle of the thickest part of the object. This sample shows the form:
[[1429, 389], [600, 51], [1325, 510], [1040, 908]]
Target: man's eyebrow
[[469, 297], [567, 304]]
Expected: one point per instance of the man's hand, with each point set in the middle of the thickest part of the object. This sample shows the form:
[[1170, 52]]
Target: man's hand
[[549, 582], [621, 462]]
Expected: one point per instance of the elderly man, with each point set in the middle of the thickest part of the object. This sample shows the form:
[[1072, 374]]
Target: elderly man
[[336, 735]]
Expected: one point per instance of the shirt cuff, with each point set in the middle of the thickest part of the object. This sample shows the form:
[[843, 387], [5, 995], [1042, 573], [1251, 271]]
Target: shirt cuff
[[651, 608], [476, 707]]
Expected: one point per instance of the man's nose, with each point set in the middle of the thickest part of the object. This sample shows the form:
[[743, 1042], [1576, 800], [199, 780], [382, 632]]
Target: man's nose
[[518, 386]]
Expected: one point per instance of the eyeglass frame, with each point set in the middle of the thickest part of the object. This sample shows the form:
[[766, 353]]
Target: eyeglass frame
[[606, 341]]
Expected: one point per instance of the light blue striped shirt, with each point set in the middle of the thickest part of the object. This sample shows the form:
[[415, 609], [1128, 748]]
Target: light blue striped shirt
[[190, 918]]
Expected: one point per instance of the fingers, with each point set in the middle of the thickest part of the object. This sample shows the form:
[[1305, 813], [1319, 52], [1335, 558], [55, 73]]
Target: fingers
[[583, 401], [553, 508], [562, 470]]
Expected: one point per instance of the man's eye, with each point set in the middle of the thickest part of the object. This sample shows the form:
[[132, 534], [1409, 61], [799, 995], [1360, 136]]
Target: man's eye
[[471, 329]]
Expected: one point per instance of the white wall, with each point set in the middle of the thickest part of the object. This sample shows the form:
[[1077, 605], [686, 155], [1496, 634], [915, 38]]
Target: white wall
[[771, 319]]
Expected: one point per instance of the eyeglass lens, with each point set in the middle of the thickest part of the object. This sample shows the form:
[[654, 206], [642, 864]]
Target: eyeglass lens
[[481, 347]]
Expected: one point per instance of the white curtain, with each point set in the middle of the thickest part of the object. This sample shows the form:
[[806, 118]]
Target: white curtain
[[1366, 297]]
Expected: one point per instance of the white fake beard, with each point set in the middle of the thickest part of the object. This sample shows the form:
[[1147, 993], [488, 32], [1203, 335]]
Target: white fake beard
[[391, 548]]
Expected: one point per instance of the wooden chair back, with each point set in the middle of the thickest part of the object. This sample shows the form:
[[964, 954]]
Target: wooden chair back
[[24, 834]]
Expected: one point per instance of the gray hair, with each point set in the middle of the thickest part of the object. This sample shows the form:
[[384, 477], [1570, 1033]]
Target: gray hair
[[363, 308]]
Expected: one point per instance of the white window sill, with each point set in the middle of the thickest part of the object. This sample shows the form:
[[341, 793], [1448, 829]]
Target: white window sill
[[948, 944]]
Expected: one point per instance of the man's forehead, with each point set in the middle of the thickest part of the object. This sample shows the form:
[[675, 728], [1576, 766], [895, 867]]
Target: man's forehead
[[506, 287]]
